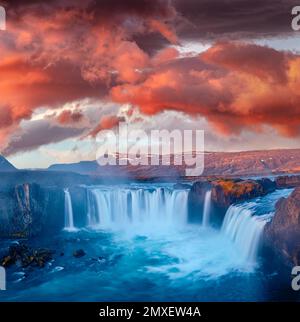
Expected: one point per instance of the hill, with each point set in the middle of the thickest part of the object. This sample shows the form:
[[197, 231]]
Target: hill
[[267, 162], [5, 165]]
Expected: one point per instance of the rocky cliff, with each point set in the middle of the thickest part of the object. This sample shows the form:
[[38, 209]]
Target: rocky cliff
[[287, 181], [28, 210], [282, 234], [245, 163], [225, 192], [196, 200]]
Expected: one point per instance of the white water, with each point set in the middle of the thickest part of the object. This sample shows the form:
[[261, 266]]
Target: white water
[[160, 212], [69, 218], [206, 209], [245, 229], [122, 206]]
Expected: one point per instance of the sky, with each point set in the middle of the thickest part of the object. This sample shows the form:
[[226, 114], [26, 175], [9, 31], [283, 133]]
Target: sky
[[71, 69]]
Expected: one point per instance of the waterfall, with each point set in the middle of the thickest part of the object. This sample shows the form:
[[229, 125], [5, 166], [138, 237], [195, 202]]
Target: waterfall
[[206, 209], [122, 206], [69, 219], [245, 229]]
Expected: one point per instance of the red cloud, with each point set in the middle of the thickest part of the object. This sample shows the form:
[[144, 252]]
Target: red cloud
[[69, 117], [56, 53], [233, 85], [107, 122]]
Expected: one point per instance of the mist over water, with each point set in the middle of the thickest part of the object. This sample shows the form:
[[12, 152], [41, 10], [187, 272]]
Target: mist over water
[[140, 246]]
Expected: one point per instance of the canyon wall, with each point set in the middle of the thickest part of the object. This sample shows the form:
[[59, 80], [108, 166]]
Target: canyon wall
[[28, 210], [225, 192], [282, 234]]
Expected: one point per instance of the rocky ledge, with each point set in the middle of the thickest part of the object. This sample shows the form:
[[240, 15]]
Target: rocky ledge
[[28, 210], [282, 234], [225, 192], [24, 256], [287, 182]]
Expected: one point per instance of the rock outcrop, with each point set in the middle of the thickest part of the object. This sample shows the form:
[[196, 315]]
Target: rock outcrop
[[282, 234], [196, 200], [228, 192], [28, 210], [79, 203], [79, 253], [287, 182], [225, 192], [24, 256]]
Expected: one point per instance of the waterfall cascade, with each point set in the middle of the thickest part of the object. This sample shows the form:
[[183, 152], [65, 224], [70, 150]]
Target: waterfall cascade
[[119, 206], [69, 218], [150, 208], [245, 229], [206, 209]]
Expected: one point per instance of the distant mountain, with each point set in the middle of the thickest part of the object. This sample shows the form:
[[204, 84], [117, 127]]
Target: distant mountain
[[267, 162], [128, 171], [80, 167], [262, 162], [5, 165]]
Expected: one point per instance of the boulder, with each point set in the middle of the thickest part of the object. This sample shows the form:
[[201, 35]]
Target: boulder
[[282, 234], [22, 255], [79, 253]]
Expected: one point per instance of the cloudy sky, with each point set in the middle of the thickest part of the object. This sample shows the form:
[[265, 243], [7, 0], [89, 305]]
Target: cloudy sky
[[70, 69]]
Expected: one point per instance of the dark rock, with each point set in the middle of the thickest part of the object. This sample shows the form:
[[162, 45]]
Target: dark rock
[[228, 191], [196, 200], [268, 185], [24, 256], [79, 253], [225, 192], [181, 186], [27, 210], [79, 202], [287, 182], [282, 234]]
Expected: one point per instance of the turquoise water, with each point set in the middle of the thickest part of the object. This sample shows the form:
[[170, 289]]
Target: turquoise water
[[149, 263]]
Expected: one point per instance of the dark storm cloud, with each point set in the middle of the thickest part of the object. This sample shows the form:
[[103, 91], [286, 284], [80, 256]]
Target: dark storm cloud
[[39, 133], [211, 19]]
